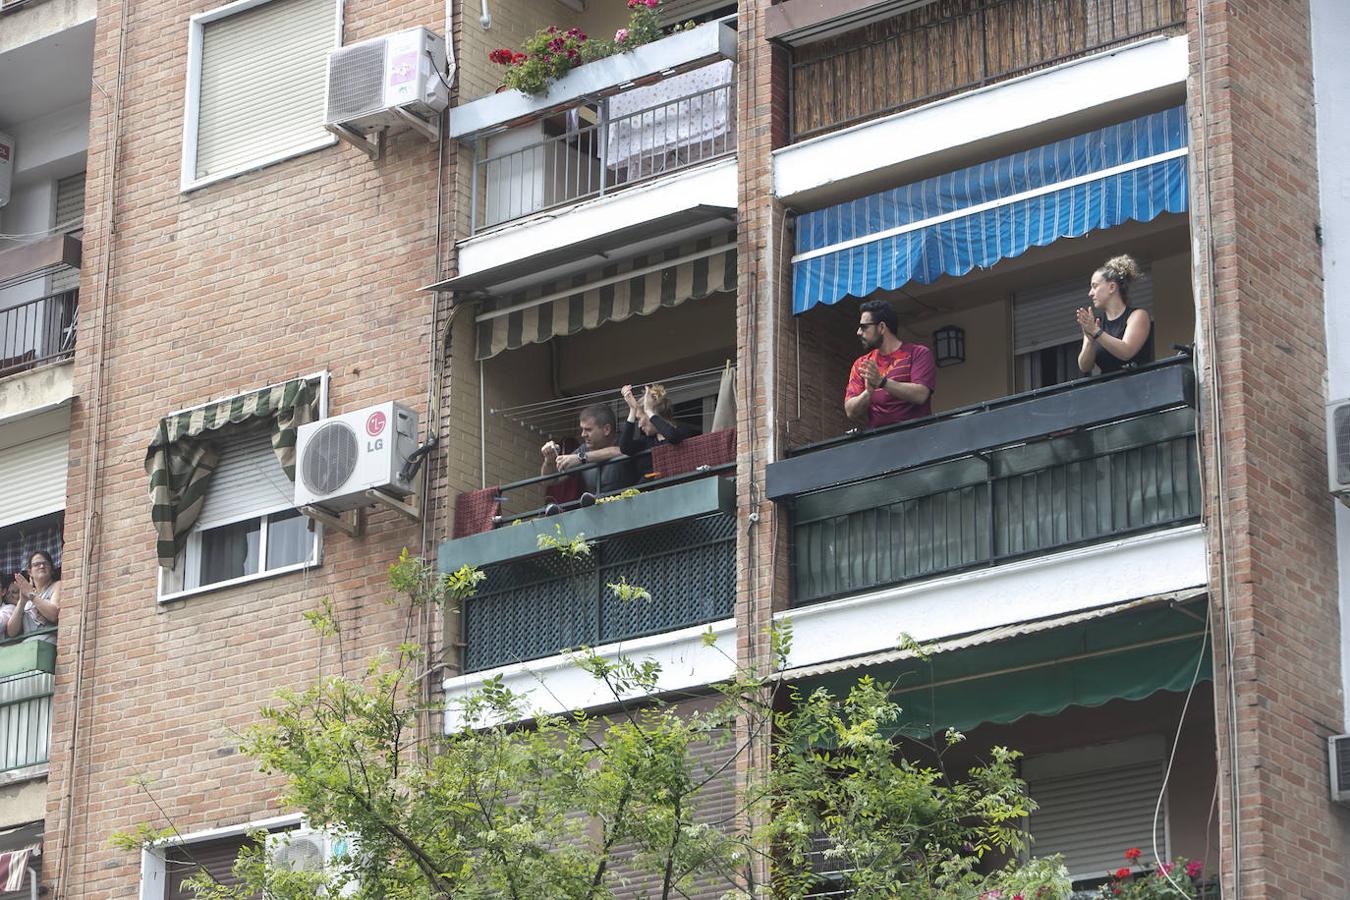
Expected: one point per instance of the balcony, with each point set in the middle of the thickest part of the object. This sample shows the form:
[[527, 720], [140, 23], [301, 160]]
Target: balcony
[[26, 667], [594, 132], [38, 332], [941, 49], [676, 539], [1023, 476]]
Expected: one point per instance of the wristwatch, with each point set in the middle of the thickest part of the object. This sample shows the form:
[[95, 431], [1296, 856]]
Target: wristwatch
[[882, 382]]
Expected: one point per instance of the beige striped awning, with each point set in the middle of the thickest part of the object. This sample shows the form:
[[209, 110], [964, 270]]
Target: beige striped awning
[[638, 286]]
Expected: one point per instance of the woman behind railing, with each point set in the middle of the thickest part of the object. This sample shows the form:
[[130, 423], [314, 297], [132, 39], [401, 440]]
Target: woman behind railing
[[32, 599]]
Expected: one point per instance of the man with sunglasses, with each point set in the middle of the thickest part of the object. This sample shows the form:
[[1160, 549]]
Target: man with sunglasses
[[894, 380]]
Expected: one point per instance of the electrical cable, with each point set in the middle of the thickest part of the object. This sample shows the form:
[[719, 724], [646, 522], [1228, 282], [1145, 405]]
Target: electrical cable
[[1171, 759]]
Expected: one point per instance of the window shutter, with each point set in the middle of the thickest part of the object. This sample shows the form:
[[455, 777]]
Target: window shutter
[[33, 478], [1093, 815], [263, 77], [248, 480], [1043, 316], [677, 12], [69, 215], [216, 857]]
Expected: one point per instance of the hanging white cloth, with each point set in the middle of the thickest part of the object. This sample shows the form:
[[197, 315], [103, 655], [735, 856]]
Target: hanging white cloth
[[674, 122]]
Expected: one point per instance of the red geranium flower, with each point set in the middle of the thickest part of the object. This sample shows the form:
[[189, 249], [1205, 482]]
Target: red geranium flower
[[1122, 874], [519, 58], [1133, 854], [502, 56], [1194, 868]]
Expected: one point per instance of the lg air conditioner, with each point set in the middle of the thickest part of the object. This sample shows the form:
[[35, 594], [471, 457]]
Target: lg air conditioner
[[1338, 449], [304, 850], [339, 459], [1339, 748], [391, 82]]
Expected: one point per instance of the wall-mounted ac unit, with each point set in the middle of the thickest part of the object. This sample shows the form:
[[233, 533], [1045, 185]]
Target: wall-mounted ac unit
[[304, 850], [338, 459], [1339, 747], [1338, 449], [390, 82]]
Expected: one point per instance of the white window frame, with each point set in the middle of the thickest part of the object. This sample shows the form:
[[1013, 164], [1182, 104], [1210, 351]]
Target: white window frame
[[154, 859], [191, 555], [188, 180]]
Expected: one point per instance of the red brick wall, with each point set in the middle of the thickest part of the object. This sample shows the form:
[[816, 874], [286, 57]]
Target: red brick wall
[[1271, 537], [313, 263]]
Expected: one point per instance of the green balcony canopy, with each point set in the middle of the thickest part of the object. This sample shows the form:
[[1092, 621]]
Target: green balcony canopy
[[23, 658], [1124, 652]]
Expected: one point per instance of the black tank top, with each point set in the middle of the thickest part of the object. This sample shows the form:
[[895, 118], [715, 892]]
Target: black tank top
[[1106, 360]]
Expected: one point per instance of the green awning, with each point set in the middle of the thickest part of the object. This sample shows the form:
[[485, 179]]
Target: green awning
[[28, 657], [1124, 652]]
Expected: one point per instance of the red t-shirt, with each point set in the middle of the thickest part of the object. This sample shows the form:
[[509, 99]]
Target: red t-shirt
[[911, 363]]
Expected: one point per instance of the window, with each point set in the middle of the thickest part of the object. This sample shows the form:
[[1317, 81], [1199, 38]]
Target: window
[[257, 77], [248, 527], [165, 868], [1046, 339], [1097, 802]]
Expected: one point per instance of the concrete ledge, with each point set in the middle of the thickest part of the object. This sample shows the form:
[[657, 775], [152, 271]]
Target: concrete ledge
[[1050, 585], [557, 684], [980, 124]]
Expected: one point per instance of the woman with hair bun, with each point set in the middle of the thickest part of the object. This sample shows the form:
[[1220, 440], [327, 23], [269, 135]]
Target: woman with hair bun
[[651, 421], [1115, 334]]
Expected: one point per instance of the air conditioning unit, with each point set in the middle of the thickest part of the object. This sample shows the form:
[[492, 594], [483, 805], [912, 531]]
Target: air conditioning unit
[[305, 850], [1339, 747], [1338, 449], [338, 459], [393, 81]]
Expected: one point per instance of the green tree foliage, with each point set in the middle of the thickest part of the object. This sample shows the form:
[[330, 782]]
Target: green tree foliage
[[576, 807]]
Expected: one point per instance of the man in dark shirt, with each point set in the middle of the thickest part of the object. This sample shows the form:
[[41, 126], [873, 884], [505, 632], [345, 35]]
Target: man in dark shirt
[[894, 380], [599, 443]]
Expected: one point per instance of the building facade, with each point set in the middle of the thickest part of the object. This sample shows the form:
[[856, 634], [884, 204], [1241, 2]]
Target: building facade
[[1134, 578]]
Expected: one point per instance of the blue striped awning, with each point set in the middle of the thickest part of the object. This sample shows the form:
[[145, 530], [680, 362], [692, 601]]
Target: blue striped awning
[[974, 217]]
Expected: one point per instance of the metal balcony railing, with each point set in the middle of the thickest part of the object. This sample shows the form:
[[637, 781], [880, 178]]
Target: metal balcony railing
[[977, 487], [26, 667], [37, 332], [584, 160], [955, 45]]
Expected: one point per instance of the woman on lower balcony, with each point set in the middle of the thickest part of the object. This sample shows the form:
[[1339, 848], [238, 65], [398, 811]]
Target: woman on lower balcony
[[1115, 334], [650, 421], [32, 601]]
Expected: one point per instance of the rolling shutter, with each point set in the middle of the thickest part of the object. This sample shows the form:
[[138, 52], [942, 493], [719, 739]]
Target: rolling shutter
[[263, 78], [1043, 316], [248, 481], [33, 478], [70, 216], [1093, 815]]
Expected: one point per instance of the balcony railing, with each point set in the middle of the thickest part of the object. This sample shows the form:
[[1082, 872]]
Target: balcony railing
[[955, 45], [1018, 477], [26, 667], [677, 541], [37, 332], [591, 152]]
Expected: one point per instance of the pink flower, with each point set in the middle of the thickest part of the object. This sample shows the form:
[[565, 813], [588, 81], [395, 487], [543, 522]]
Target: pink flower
[[1133, 854], [552, 29], [621, 35], [1194, 868], [556, 44], [1165, 869]]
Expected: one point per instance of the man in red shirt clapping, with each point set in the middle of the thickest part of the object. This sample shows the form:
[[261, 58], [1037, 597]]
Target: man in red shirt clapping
[[894, 380]]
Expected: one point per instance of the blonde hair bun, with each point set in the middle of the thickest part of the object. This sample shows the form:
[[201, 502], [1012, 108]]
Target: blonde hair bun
[[1121, 269], [656, 401]]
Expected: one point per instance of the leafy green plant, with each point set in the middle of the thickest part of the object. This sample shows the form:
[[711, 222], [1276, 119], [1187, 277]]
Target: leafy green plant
[[1164, 881]]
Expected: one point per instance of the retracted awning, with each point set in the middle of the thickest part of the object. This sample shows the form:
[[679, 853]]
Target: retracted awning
[[637, 286], [976, 216], [1125, 651]]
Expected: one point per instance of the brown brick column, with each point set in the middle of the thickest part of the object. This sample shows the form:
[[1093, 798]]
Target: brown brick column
[[1271, 534]]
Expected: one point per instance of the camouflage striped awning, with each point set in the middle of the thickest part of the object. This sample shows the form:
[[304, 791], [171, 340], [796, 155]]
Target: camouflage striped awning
[[638, 286], [180, 459]]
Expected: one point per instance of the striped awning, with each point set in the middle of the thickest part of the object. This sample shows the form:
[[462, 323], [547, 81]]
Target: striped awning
[[974, 217], [637, 286], [180, 461]]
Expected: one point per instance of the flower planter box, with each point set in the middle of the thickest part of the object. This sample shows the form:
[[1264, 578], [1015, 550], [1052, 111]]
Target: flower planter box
[[678, 52]]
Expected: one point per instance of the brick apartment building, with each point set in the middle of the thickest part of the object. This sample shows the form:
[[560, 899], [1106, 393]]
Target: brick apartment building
[[1136, 579]]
